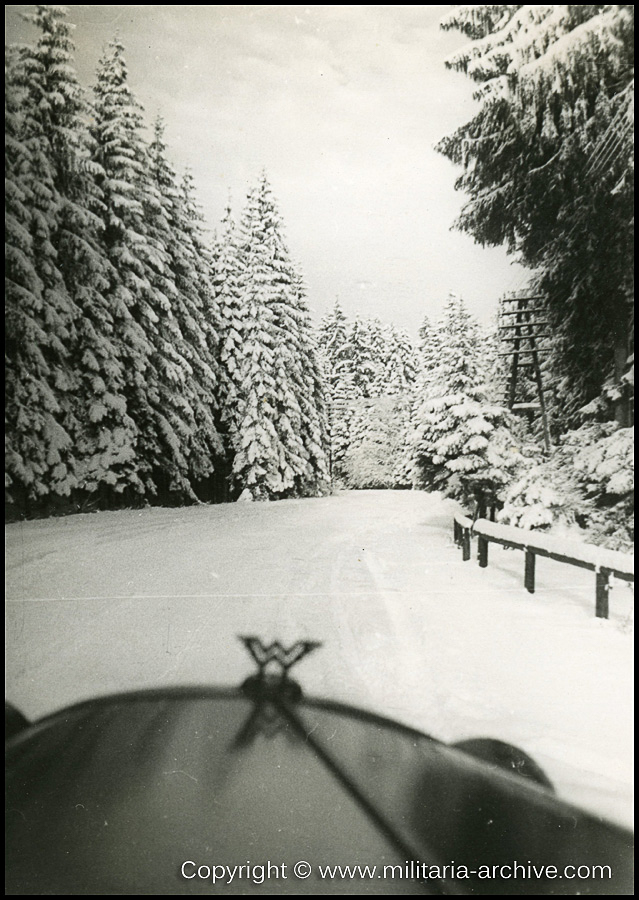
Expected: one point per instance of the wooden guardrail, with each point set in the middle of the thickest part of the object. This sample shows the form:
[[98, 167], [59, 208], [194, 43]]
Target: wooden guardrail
[[603, 562], [462, 532]]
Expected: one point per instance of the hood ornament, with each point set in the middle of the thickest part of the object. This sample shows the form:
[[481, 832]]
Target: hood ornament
[[274, 662]]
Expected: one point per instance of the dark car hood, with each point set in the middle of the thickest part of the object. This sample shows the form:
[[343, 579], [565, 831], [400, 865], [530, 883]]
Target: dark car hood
[[114, 796]]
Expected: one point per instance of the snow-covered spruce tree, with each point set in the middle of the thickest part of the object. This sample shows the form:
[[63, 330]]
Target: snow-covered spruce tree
[[306, 371], [197, 236], [360, 354], [404, 427], [547, 165], [427, 348], [343, 399], [67, 423], [121, 153], [200, 237], [174, 356], [32, 432], [351, 348], [404, 413], [275, 449], [159, 387], [464, 445], [332, 338], [332, 333], [395, 386], [189, 337], [427, 360], [226, 274], [398, 363], [588, 482], [375, 351], [426, 356]]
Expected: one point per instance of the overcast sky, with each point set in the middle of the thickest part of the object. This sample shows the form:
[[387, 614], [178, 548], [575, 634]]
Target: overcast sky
[[342, 106]]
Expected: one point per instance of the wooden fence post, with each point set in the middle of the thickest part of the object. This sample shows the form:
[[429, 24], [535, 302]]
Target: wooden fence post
[[456, 534], [466, 545], [603, 589], [529, 571], [482, 551]]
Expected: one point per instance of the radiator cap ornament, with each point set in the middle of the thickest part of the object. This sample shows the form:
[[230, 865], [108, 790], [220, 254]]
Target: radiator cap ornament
[[274, 663]]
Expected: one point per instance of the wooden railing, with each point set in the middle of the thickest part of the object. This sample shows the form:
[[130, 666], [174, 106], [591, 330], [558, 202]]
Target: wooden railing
[[604, 563]]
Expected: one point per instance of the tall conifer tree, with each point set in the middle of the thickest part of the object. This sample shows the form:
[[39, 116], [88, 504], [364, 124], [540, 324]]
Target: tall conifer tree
[[463, 444], [77, 417], [276, 446], [190, 336]]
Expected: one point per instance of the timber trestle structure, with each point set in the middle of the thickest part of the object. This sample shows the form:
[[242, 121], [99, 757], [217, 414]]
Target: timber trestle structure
[[522, 332]]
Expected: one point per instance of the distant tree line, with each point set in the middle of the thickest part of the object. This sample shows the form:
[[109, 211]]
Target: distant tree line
[[370, 371], [405, 415]]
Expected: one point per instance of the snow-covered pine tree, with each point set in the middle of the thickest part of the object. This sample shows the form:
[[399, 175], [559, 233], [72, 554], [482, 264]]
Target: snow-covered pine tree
[[464, 445], [73, 405], [428, 353], [121, 153], [307, 372], [377, 339], [271, 459], [332, 333], [226, 274], [401, 370], [143, 293], [398, 369], [189, 338], [360, 357], [35, 351], [332, 341], [587, 482], [204, 254]]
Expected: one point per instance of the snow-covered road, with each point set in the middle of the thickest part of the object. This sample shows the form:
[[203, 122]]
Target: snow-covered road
[[124, 600]]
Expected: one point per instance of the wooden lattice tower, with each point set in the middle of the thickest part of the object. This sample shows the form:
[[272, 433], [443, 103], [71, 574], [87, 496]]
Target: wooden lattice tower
[[521, 329]]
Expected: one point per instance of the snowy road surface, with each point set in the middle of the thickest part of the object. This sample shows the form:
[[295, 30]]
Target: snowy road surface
[[123, 600]]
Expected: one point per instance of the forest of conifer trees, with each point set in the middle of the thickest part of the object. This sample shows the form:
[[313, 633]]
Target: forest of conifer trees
[[144, 362], [150, 362]]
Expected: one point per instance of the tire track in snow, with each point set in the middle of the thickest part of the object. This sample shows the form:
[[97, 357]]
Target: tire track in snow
[[414, 666]]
